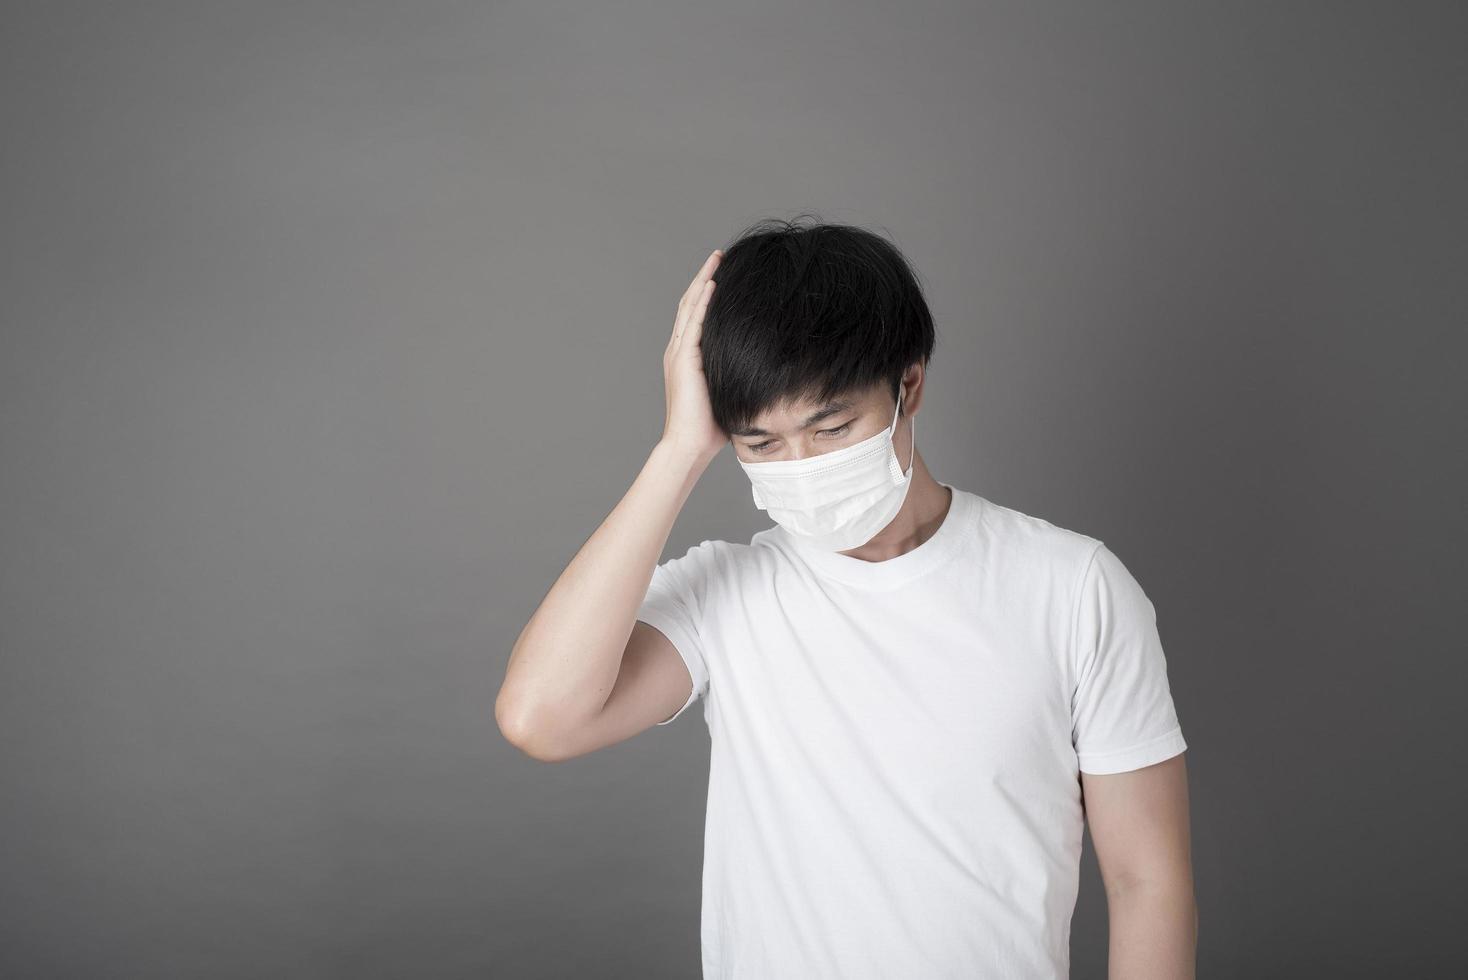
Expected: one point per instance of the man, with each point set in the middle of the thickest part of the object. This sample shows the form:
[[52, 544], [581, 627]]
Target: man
[[916, 697]]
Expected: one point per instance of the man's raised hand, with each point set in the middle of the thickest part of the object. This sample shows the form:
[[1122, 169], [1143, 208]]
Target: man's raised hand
[[689, 424]]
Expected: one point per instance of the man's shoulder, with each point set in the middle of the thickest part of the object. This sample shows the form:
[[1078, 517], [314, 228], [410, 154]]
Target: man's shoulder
[[720, 558], [1014, 533]]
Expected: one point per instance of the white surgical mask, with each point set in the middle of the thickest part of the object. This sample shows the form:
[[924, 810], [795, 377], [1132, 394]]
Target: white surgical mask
[[837, 500]]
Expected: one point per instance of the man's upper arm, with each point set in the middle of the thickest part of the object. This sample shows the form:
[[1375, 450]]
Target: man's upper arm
[[1122, 712], [1129, 743], [662, 671], [1139, 825], [652, 684], [674, 607]]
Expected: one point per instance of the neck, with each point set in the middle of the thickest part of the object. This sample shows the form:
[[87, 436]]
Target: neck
[[921, 515]]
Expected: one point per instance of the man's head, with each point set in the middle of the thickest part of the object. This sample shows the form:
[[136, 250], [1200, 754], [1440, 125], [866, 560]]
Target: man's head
[[806, 315]]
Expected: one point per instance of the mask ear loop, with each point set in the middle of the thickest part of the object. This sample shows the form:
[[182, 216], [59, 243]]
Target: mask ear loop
[[900, 474], [912, 449]]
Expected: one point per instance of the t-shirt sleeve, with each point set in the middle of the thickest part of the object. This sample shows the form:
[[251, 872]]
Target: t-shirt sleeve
[[1122, 712], [674, 606]]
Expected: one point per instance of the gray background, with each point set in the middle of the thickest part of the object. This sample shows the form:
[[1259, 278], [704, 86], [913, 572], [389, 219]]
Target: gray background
[[331, 330]]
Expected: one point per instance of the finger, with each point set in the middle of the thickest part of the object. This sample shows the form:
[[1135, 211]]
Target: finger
[[692, 296], [691, 320], [694, 328], [690, 331], [695, 287]]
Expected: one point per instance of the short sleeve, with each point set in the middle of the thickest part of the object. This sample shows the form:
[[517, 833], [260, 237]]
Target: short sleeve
[[1122, 712], [674, 606]]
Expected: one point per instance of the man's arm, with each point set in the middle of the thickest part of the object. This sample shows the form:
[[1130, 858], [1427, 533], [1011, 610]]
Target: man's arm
[[1139, 825], [569, 660], [568, 664]]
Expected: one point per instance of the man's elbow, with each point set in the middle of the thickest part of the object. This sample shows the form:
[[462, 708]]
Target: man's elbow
[[519, 727]]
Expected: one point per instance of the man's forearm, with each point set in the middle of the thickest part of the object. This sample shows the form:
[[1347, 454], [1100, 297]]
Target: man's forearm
[[1154, 933]]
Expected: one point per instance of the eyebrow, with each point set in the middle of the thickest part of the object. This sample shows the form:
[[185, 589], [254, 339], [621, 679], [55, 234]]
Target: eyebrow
[[832, 408]]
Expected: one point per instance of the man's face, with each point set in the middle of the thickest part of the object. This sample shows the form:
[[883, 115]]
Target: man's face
[[799, 429]]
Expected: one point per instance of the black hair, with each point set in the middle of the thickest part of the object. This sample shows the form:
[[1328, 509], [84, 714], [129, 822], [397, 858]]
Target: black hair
[[806, 309]]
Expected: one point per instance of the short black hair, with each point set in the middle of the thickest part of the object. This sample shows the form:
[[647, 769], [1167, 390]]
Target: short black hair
[[806, 309]]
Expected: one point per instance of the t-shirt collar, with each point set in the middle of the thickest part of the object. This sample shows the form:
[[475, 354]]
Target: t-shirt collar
[[892, 572]]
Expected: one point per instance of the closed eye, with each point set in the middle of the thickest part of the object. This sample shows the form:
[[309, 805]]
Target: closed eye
[[840, 430]]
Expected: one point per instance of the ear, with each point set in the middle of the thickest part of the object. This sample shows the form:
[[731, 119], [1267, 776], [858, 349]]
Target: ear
[[912, 388]]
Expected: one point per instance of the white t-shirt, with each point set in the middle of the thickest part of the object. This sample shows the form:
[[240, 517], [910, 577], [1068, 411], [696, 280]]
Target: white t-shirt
[[894, 786]]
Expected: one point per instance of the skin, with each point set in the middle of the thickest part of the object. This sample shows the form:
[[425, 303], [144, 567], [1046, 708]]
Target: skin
[[1139, 826], [584, 674]]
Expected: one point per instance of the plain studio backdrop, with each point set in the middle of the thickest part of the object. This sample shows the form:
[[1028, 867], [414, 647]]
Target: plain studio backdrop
[[332, 330]]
